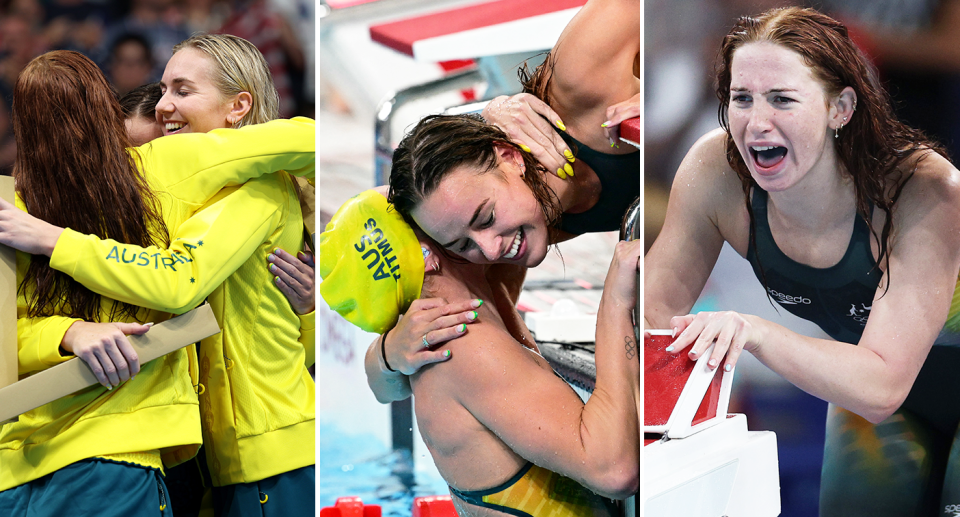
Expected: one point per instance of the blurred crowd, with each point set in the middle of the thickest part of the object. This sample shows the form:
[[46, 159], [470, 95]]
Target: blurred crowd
[[131, 41]]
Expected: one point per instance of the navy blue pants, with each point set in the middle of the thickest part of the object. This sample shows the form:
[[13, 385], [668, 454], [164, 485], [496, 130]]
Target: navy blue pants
[[291, 494], [92, 487]]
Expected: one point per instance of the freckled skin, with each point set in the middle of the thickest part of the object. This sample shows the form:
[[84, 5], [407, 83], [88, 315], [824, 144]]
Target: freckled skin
[[446, 213], [776, 100]]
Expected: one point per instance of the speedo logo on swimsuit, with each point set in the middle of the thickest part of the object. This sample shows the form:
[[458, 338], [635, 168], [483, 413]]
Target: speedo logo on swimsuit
[[786, 299], [953, 509], [375, 247]]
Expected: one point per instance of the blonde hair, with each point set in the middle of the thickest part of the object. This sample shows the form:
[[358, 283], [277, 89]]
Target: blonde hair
[[240, 67]]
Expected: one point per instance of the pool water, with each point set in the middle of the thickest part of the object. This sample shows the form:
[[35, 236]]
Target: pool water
[[362, 465]]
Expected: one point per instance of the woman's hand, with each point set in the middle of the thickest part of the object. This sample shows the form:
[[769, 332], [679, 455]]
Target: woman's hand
[[520, 118], [295, 277], [106, 349], [619, 112], [22, 231], [733, 332], [620, 286], [430, 320]]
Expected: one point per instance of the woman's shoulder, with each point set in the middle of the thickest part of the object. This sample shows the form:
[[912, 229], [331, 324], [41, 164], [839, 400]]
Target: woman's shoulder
[[706, 164], [932, 178]]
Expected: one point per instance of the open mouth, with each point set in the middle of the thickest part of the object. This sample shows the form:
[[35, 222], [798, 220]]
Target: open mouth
[[768, 156], [515, 248], [173, 127]]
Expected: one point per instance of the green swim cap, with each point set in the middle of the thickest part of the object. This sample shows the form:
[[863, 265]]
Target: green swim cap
[[370, 262]]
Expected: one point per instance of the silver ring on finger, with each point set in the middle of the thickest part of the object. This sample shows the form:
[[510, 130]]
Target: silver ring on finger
[[426, 344]]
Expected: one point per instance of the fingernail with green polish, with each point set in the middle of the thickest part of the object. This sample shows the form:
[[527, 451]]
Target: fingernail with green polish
[[446, 353], [478, 302], [472, 315], [276, 250], [462, 328], [561, 126], [605, 124]]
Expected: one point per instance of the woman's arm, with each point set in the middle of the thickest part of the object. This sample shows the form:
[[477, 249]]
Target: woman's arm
[[430, 318], [873, 378], [594, 79], [204, 251], [512, 392], [193, 167], [681, 259], [595, 59], [48, 341]]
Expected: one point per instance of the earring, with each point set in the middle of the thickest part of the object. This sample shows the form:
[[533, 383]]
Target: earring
[[836, 131]]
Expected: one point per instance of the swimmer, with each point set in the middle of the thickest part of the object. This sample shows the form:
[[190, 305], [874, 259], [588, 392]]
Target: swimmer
[[587, 85], [507, 434], [140, 117], [122, 435], [836, 204]]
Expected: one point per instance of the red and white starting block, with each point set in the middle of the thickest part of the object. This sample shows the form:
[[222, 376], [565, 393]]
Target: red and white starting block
[[698, 460]]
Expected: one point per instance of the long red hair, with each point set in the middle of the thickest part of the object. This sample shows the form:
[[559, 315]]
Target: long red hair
[[873, 148], [72, 170]]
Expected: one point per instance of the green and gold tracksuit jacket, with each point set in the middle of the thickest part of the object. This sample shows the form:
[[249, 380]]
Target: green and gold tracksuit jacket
[[255, 391]]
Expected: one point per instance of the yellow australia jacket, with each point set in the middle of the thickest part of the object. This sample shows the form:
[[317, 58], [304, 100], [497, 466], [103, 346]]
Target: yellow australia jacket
[[256, 396], [157, 412]]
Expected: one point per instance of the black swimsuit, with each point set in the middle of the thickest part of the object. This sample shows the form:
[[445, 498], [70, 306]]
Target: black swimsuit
[[837, 298], [620, 182]]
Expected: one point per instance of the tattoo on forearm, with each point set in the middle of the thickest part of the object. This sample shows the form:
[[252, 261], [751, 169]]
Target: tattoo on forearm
[[630, 346]]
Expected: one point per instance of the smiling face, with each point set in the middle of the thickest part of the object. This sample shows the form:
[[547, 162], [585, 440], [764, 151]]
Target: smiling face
[[780, 117], [191, 102], [486, 217]]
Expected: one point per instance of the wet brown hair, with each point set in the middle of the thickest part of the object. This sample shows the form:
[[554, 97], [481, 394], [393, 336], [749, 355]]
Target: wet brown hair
[[440, 143], [72, 171], [872, 147]]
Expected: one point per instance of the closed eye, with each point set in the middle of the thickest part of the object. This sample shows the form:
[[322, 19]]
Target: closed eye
[[489, 222]]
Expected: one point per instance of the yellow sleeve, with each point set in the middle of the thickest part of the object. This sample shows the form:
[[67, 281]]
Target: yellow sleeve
[[193, 167], [38, 342], [308, 337], [204, 251]]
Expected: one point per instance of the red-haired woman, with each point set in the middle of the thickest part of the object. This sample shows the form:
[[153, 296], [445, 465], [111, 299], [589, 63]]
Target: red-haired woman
[[849, 219], [103, 449]]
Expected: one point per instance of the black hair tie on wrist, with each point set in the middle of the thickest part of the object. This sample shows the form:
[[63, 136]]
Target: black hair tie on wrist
[[383, 352]]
